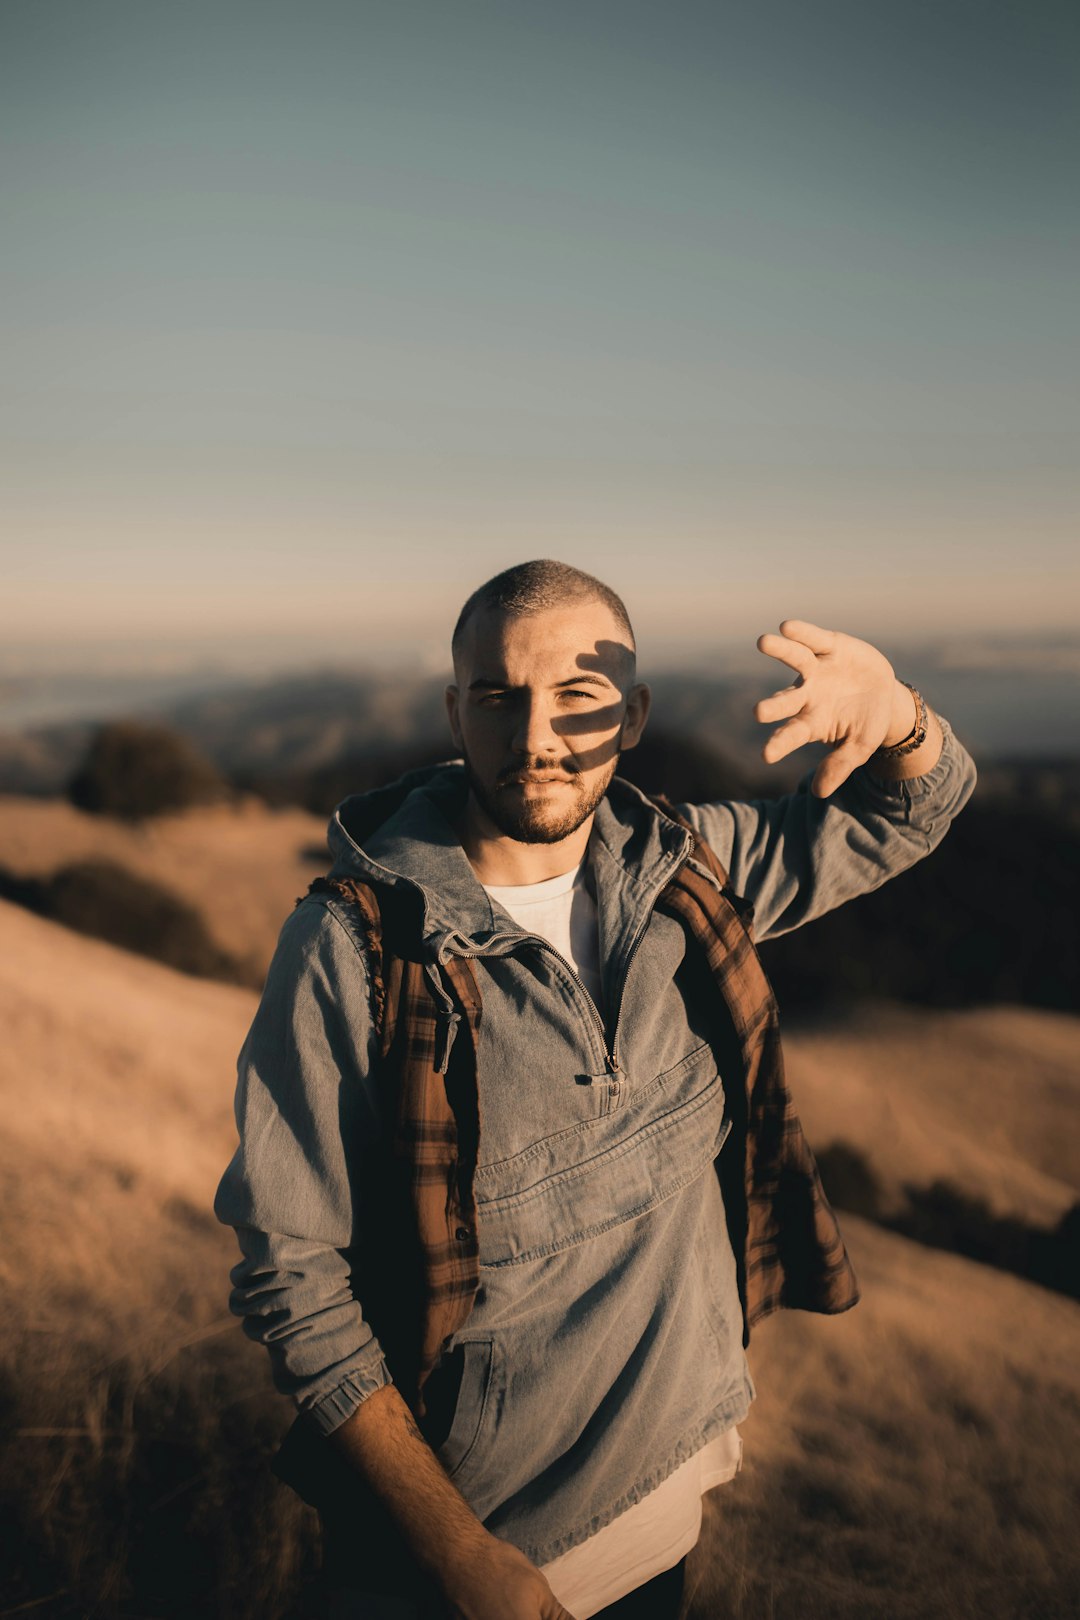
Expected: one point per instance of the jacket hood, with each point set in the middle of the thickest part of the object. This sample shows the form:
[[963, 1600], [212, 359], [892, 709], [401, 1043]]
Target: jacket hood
[[362, 814], [402, 836]]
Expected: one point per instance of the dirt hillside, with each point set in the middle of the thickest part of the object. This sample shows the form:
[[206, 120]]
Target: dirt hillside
[[116, 1076]]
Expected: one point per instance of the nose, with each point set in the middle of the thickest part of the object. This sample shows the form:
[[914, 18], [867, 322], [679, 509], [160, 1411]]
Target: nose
[[533, 733]]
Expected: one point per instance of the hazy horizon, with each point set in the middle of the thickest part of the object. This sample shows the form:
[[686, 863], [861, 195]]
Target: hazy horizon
[[1007, 697]]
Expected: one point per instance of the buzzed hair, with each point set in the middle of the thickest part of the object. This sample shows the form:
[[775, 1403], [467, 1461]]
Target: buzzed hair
[[534, 587]]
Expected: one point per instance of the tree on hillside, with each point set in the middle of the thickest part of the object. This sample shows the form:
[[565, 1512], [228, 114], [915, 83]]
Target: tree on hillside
[[134, 770], [105, 901]]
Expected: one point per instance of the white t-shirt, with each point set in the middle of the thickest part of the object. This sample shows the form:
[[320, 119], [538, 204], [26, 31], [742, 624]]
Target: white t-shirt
[[656, 1532], [648, 1538], [562, 911]]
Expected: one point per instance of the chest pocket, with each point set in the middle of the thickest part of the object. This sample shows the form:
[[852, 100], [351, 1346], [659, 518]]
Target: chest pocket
[[594, 1176]]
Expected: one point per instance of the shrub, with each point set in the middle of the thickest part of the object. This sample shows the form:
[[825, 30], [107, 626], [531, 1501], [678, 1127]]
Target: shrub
[[849, 1180], [135, 770], [107, 902], [943, 1216]]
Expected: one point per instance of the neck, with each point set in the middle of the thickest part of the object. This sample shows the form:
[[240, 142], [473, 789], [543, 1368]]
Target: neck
[[500, 860]]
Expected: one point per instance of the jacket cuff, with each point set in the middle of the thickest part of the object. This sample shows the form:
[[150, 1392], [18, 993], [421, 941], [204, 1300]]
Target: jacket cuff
[[952, 761], [331, 1411]]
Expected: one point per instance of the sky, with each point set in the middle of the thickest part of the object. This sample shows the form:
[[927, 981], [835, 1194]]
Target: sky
[[317, 314]]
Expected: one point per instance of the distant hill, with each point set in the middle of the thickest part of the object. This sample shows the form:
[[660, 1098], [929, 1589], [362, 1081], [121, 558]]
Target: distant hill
[[43, 759], [993, 915], [276, 733]]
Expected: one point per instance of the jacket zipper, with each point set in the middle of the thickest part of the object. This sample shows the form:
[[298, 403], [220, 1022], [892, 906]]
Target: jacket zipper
[[611, 1055], [611, 1058], [622, 992]]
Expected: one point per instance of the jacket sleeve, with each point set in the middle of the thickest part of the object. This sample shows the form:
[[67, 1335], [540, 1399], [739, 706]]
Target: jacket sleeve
[[798, 856], [306, 1116]]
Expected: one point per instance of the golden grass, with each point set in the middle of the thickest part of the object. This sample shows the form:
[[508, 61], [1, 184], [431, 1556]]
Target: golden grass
[[916, 1457], [138, 1420]]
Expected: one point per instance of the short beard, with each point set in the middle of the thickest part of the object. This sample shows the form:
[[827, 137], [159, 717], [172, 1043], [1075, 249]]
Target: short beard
[[531, 823]]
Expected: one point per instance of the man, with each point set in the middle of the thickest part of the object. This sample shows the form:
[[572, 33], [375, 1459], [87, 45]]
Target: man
[[517, 1169]]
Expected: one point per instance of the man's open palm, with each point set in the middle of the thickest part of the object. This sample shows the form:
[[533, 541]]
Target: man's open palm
[[844, 696]]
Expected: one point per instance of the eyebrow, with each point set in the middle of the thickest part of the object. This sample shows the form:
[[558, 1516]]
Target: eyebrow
[[483, 684]]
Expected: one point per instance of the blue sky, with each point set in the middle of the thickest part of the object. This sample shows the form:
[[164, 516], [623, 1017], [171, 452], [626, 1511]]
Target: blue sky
[[317, 314]]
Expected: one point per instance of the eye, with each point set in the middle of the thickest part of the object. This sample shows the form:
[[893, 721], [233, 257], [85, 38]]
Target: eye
[[572, 692]]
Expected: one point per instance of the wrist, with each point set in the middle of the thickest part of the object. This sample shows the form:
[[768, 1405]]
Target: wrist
[[461, 1564], [453, 1547], [904, 716], [912, 762]]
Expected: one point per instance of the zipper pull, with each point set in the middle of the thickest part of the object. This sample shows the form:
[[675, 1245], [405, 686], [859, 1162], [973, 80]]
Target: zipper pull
[[611, 1084], [611, 1076]]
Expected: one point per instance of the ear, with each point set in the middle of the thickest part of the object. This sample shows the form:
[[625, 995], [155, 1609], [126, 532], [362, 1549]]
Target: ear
[[638, 704], [452, 697]]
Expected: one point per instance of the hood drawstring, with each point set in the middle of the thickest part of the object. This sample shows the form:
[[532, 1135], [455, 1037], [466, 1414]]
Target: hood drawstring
[[446, 1019], [446, 1025]]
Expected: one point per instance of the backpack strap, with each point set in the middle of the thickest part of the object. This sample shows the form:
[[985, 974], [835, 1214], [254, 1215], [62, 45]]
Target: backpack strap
[[706, 856]]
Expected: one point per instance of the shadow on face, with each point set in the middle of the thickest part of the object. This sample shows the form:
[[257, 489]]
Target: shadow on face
[[573, 666]]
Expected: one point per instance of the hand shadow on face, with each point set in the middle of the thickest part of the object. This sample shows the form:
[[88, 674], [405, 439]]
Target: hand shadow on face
[[617, 663]]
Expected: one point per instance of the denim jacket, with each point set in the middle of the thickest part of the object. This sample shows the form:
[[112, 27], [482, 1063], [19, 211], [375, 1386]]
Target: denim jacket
[[605, 1344]]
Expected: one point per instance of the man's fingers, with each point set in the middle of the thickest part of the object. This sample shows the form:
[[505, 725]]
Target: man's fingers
[[785, 739], [789, 652], [812, 635], [781, 705], [835, 768]]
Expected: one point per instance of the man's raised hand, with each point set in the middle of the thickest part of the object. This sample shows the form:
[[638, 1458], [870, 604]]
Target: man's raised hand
[[846, 695]]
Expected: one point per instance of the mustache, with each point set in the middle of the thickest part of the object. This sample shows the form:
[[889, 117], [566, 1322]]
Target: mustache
[[516, 774]]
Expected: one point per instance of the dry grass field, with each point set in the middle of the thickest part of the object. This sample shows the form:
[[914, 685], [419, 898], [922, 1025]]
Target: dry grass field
[[918, 1457], [135, 1414]]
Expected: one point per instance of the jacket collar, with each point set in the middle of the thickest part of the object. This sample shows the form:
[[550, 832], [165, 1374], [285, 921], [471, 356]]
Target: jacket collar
[[404, 834]]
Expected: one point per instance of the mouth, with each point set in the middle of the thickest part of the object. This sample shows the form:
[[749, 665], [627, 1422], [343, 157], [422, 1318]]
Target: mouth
[[533, 779]]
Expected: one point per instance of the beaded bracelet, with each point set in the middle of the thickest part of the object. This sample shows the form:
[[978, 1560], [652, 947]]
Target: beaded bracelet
[[917, 735]]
